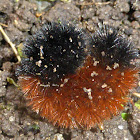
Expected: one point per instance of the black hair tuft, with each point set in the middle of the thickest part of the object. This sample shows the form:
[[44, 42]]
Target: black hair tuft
[[55, 51], [110, 48]]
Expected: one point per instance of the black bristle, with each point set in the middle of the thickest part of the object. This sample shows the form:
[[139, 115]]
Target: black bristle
[[53, 52], [109, 47]]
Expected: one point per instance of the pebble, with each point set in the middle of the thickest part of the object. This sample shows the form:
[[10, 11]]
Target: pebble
[[136, 15], [120, 127], [11, 118]]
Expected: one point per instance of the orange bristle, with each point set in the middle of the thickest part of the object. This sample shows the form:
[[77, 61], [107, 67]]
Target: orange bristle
[[70, 106]]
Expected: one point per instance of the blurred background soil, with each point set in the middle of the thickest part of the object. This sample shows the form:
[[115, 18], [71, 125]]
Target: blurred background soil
[[21, 19]]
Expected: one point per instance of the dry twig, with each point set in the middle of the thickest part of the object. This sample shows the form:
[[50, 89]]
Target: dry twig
[[136, 94], [10, 43]]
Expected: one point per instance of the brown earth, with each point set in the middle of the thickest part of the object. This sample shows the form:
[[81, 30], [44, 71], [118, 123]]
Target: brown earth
[[23, 18]]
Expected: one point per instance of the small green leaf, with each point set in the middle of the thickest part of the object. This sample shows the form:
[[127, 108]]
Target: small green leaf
[[19, 49], [122, 105], [35, 127], [125, 116], [137, 104], [11, 81]]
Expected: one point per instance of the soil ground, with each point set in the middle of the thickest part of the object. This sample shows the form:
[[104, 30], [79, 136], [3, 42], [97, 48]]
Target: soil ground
[[24, 18]]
